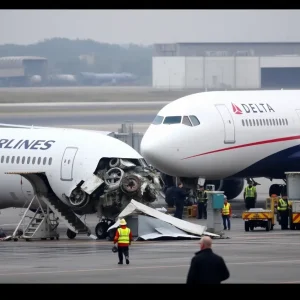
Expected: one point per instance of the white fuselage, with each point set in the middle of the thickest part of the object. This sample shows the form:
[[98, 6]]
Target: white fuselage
[[241, 134], [66, 156]]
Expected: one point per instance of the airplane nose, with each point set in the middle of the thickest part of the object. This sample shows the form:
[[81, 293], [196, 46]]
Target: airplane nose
[[155, 148]]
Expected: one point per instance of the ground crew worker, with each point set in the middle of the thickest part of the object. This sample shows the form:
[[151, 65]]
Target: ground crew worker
[[170, 196], [180, 196], [283, 210], [250, 196], [123, 237], [202, 202], [226, 214]]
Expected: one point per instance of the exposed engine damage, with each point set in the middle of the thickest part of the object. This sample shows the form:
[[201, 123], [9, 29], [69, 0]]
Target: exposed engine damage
[[113, 185]]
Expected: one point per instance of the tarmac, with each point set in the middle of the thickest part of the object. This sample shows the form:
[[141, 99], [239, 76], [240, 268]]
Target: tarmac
[[252, 257]]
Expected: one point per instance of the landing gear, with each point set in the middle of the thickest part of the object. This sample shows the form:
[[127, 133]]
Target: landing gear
[[71, 234], [101, 229]]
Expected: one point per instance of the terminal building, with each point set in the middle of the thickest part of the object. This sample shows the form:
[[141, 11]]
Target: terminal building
[[23, 70], [225, 66]]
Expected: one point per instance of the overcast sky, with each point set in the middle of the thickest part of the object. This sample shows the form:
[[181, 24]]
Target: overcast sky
[[150, 26]]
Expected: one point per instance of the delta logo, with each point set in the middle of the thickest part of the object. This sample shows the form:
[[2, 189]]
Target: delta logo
[[251, 108]]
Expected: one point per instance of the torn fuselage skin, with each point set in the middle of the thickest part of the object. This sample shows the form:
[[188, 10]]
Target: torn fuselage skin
[[113, 185]]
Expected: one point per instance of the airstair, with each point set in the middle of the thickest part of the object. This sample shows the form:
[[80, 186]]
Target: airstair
[[43, 224], [48, 211]]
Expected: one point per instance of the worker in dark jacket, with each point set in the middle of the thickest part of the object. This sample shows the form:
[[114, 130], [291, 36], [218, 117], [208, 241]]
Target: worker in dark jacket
[[170, 196], [206, 266], [180, 196]]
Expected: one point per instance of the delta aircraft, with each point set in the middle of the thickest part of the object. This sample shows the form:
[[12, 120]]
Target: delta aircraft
[[226, 137], [72, 170]]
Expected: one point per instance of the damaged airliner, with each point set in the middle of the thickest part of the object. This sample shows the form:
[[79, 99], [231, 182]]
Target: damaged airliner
[[73, 171]]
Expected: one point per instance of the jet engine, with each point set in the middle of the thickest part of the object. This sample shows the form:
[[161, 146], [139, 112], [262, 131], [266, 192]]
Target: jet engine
[[113, 185], [231, 187]]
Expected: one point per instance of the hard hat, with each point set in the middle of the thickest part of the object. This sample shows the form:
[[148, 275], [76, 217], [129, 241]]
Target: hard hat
[[122, 222]]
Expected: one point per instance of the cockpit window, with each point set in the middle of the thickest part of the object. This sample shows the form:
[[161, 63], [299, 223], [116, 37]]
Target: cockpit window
[[194, 120], [172, 120], [186, 121], [157, 120]]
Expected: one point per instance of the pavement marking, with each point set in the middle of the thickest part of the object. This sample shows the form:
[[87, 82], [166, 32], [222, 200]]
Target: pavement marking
[[125, 268]]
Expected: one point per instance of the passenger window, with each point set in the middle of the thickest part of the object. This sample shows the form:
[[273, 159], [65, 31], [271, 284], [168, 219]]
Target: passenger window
[[28, 160], [39, 161], [2, 159], [267, 122], [257, 122], [44, 160], [243, 123], [50, 161], [194, 120], [172, 120], [253, 122], [250, 122], [23, 160], [186, 121], [279, 121], [247, 122], [270, 122], [273, 122], [286, 122], [264, 122], [157, 120], [261, 123], [33, 160], [276, 122], [12, 159], [7, 159], [18, 159], [283, 123]]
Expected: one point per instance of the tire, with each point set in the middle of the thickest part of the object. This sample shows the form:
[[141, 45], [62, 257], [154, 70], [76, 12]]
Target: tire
[[71, 234], [268, 225], [101, 230], [247, 226]]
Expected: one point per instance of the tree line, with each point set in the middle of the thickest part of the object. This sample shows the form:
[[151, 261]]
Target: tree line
[[63, 57]]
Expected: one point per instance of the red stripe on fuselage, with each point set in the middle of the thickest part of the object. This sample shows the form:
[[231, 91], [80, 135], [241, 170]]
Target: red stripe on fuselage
[[289, 138]]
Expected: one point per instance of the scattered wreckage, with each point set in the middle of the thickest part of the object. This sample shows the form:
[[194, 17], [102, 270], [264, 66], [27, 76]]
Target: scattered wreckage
[[148, 223], [112, 187]]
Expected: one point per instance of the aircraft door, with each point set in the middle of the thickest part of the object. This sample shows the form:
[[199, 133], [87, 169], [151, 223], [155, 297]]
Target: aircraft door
[[298, 112], [66, 170], [229, 130]]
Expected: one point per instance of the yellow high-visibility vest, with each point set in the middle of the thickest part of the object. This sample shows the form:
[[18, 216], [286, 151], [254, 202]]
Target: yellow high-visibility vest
[[250, 192], [124, 235], [226, 209], [283, 205]]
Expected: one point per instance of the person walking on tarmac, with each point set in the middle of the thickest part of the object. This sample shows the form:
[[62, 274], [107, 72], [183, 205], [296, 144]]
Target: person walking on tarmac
[[180, 196], [202, 202], [123, 237], [206, 266], [283, 210], [226, 214], [250, 195]]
